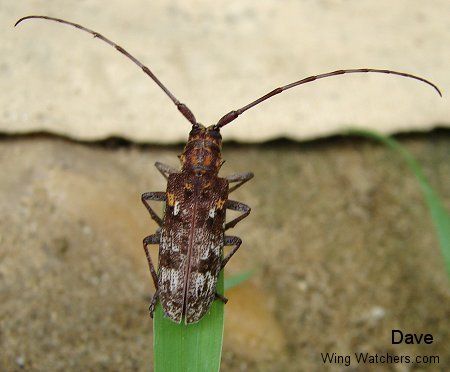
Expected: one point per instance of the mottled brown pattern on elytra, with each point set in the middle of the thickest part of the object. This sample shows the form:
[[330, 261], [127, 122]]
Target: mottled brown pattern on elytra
[[192, 234]]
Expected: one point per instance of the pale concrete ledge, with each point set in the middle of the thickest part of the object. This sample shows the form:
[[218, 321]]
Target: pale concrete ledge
[[217, 58]]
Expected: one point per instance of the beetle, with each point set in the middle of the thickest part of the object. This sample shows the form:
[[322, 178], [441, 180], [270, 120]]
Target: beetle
[[191, 234]]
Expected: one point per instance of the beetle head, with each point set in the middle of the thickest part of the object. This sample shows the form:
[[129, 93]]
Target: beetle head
[[202, 151]]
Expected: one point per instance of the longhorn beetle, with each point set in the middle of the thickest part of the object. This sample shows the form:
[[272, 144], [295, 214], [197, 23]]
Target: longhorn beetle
[[191, 234]]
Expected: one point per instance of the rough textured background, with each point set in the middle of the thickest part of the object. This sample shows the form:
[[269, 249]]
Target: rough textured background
[[339, 232], [218, 58]]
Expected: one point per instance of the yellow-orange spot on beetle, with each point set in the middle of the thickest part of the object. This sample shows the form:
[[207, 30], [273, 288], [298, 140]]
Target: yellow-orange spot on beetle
[[170, 199], [220, 203], [208, 159]]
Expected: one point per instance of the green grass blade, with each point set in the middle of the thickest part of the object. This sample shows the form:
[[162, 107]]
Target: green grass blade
[[439, 215], [189, 348], [238, 279]]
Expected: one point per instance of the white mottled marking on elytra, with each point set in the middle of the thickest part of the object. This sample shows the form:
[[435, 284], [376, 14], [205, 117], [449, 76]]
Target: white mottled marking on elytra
[[212, 212], [163, 274], [194, 311], [210, 282], [216, 250], [199, 282], [171, 276], [174, 279], [165, 244], [204, 253], [176, 208]]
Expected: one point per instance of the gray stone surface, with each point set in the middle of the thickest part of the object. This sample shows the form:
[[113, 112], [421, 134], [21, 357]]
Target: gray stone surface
[[220, 57]]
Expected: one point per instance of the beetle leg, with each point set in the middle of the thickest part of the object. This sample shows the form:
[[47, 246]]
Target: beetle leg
[[165, 170], [230, 240], [153, 302], [221, 298], [241, 178], [152, 239], [239, 207], [156, 196]]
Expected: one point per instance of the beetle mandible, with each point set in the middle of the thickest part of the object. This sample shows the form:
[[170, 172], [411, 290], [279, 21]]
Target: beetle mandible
[[191, 234]]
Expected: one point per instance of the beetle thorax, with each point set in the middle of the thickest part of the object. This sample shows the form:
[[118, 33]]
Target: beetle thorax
[[202, 151]]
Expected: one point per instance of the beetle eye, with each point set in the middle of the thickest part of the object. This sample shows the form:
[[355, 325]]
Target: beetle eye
[[215, 133], [195, 130]]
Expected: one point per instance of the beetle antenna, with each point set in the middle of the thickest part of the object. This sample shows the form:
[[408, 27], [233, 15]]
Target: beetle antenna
[[227, 118], [185, 111]]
